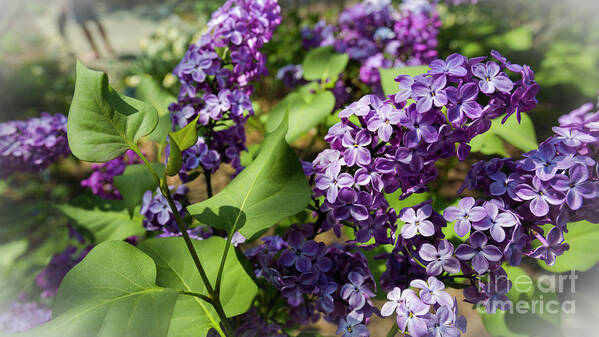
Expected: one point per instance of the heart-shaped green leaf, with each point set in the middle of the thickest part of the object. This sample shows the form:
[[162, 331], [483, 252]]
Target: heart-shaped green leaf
[[112, 292], [271, 188], [103, 124]]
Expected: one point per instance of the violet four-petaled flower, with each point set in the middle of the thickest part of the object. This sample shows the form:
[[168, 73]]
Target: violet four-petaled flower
[[479, 252], [440, 258]]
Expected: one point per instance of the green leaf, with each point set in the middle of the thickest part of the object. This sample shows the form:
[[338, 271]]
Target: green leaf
[[388, 76], [180, 141], [102, 123], [112, 292], [271, 188], [488, 143], [323, 63], [520, 135], [149, 90], [176, 270], [305, 112], [106, 219], [135, 181], [583, 238]]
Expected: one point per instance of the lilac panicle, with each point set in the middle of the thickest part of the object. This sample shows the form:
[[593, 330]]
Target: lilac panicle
[[32, 145], [216, 75]]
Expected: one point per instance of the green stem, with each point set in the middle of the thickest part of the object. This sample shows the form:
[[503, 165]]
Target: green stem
[[393, 331], [166, 192], [202, 296], [208, 179], [221, 268], [413, 258], [213, 294]]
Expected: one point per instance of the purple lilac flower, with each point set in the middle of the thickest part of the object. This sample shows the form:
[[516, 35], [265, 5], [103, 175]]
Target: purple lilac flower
[[101, 181], [439, 259], [382, 123], [332, 181], [300, 252], [465, 214], [157, 213], [495, 221], [394, 301], [453, 66], [539, 196], [442, 324], [356, 151], [430, 92], [420, 127], [479, 252], [545, 162], [432, 291], [33, 145], [503, 183], [463, 103], [416, 222], [491, 78], [413, 315], [576, 187], [351, 327], [551, 247], [356, 292]]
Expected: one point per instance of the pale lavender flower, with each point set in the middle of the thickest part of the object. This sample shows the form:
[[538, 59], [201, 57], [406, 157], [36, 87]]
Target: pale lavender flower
[[382, 122], [332, 181], [430, 91], [356, 148], [416, 222], [491, 78], [432, 291], [465, 214]]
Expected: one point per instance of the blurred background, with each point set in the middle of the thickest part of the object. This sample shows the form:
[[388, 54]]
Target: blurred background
[[40, 41]]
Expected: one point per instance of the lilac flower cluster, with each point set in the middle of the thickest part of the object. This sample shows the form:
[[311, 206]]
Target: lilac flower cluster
[[216, 75], [157, 213], [101, 181], [315, 279], [431, 312], [553, 185], [23, 316], [32, 145], [381, 146], [379, 36]]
